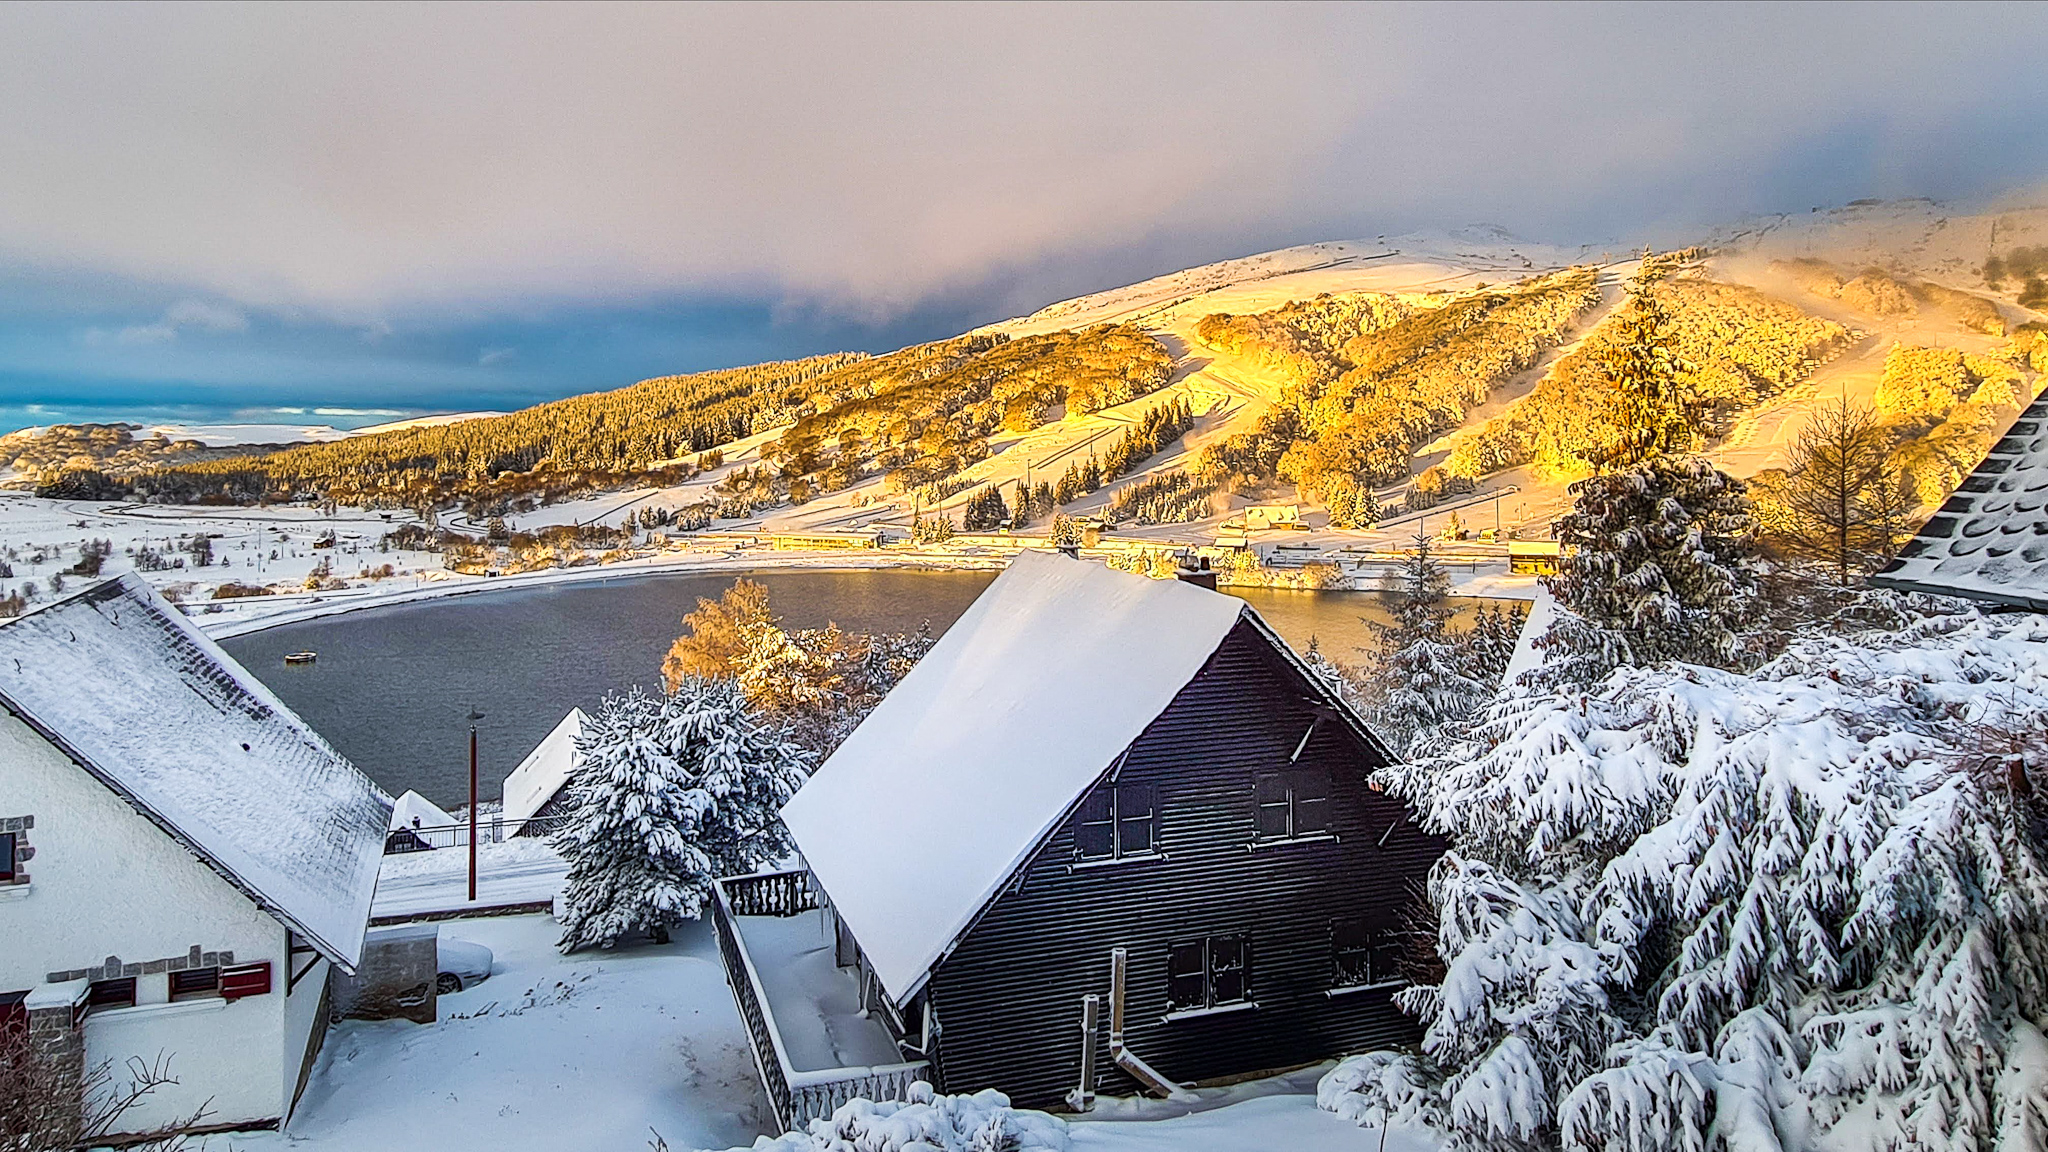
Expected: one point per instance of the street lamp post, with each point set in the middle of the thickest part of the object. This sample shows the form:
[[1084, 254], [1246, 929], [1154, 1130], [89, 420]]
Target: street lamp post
[[474, 716]]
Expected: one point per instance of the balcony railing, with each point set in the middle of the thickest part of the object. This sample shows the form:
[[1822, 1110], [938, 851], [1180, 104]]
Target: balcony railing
[[493, 830], [798, 1096]]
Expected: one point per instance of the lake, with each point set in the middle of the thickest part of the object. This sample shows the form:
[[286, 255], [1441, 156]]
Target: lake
[[393, 686]]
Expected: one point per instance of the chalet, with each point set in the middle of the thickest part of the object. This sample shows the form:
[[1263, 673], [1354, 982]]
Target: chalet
[[535, 796], [1989, 541], [1110, 835], [184, 860], [415, 821]]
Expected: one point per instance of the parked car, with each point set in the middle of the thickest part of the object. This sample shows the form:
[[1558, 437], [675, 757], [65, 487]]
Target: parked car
[[462, 965]]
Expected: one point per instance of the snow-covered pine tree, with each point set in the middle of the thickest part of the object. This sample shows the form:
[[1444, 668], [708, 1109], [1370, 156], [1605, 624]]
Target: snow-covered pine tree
[[1659, 546], [1699, 910], [1421, 681], [669, 794], [1658, 565]]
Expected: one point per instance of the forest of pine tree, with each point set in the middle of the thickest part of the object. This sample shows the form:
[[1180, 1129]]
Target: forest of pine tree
[[1734, 346], [1353, 417], [919, 414]]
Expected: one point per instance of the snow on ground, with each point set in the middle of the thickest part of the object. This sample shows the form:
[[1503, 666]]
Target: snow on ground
[[1286, 1123], [522, 870], [816, 1003], [602, 1050], [595, 1051]]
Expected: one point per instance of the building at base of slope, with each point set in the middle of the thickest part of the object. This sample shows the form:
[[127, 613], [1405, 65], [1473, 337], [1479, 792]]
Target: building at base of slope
[[182, 861], [1111, 835], [536, 792]]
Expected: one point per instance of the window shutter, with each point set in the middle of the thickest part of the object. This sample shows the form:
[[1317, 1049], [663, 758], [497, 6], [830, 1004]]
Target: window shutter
[[1311, 801], [1095, 826], [1136, 813], [1269, 792], [245, 980]]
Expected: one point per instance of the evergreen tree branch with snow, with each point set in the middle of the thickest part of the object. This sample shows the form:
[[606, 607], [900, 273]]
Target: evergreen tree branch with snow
[[669, 794], [1695, 909]]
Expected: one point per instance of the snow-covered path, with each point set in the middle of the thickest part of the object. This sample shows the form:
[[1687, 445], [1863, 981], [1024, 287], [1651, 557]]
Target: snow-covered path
[[518, 871]]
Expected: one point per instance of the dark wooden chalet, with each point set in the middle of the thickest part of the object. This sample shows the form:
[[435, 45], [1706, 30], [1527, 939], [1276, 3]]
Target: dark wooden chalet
[[1111, 835]]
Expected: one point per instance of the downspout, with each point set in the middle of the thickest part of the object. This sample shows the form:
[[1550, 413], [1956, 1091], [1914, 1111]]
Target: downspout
[[1126, 1059]]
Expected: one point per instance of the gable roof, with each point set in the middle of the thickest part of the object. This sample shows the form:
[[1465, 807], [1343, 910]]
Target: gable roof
[[538, 777], [947, 786], [1527, 657], [413, 806], [1989, 541], [128, 688]]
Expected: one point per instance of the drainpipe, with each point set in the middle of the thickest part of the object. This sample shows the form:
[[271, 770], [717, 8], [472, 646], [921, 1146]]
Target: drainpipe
[[1126, 1059], [1082, 1098]]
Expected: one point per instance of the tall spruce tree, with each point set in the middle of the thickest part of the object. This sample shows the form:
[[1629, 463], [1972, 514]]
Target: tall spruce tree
[[1422, 681], [669, 794], [1659, 545]]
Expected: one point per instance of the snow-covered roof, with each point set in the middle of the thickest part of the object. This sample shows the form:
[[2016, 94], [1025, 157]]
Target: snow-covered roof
[[538, 777], [923, 813], [1990, 540], [139, 697], [1527, 657], [413, 807]]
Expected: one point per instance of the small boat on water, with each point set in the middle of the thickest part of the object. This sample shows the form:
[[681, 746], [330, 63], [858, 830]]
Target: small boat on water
[[300, 657]]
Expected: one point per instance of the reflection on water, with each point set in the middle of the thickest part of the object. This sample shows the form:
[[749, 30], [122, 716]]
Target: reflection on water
[[393, 685]]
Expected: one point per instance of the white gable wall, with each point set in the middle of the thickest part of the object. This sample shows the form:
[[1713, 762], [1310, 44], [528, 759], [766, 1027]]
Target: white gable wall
[[105, 881]]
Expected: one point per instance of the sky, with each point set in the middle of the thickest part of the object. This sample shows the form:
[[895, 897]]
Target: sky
[[269, 211]]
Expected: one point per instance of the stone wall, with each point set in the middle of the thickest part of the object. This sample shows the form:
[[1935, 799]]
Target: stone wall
[[394, 981]]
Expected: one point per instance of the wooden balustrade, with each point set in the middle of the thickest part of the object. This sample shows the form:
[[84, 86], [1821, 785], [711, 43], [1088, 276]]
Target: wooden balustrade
[[797, 1097]]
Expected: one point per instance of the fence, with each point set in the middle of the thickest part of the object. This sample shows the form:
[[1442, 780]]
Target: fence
[[425, 838], [798, 1097]]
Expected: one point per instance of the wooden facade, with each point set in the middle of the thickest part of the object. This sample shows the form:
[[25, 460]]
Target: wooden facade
[[1008, 1000], [1238, 841]]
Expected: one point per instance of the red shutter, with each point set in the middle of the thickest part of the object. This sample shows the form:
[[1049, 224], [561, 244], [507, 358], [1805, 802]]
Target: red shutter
[[245, 980]]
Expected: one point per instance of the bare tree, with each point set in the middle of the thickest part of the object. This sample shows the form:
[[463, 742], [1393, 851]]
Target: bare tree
[[47, 1107], [1844, 492]]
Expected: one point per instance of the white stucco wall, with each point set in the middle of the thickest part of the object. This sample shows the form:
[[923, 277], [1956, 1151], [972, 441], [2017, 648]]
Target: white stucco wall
[[106, 882]]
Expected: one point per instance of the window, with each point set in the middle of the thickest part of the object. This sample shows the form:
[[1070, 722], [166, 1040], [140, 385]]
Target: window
[[118, 993], [1209, 973], [194, 983], [1117, 820], [6, 857], [1362, 954], [1292, 805]]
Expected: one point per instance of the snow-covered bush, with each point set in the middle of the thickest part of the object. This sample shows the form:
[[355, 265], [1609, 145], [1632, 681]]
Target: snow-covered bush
[[983, 1122], [1694, 909], [670, 793]]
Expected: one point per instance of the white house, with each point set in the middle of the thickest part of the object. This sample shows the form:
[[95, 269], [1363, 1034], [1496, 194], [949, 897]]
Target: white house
[[184, 858], [533, 792]]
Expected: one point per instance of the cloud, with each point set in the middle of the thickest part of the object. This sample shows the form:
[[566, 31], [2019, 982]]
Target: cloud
[[495, 355], [398, 161], [185, 315]]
